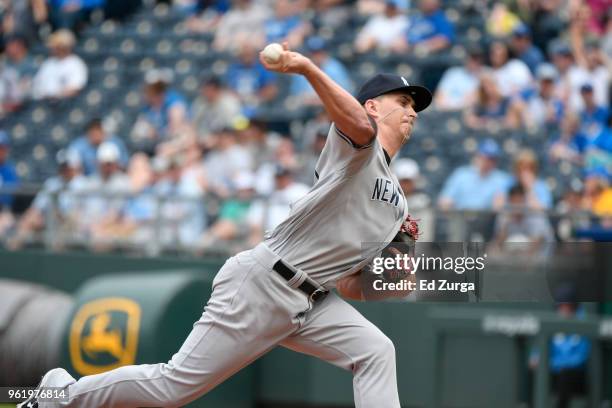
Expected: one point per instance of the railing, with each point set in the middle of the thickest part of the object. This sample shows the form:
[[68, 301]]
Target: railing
[[178, 223]]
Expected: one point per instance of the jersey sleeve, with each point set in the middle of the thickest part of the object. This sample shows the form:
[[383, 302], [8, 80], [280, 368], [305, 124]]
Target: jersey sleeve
[[342, 154]]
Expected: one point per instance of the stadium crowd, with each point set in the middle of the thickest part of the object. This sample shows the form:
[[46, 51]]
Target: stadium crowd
[[212, 170]]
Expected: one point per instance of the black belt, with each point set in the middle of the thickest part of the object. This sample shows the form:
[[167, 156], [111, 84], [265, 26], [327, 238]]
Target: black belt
[[314, 292]]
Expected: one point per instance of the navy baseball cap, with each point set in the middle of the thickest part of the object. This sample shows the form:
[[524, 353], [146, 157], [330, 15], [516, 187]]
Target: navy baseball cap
[[381, 84], [521, 30]]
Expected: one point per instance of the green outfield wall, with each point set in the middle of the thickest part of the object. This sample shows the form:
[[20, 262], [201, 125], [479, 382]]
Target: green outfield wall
[[467, 368]]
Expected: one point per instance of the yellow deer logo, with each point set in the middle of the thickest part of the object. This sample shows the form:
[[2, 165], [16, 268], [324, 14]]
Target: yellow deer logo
[[101, 338]]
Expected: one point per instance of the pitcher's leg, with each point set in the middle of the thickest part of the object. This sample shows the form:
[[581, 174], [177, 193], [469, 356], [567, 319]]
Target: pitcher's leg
[[222, 342], [335, 332]]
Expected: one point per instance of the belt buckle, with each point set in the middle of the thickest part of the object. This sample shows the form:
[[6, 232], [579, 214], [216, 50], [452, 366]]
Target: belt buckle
[[318, 294]]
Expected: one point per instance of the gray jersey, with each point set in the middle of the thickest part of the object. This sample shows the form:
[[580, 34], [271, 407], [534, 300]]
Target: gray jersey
[[356, 199]]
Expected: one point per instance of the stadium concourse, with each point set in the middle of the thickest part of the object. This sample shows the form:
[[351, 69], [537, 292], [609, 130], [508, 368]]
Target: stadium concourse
[[169, 102]]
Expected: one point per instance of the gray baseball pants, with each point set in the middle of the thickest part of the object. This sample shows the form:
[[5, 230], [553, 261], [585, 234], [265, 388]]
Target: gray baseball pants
[[252, 309]]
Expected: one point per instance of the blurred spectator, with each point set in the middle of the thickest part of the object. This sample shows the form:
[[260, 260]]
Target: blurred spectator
[[266, 214], [536, 191], [458, 86], [134, 222], [284, 156], [518, 223], [512, 75], [593, 117], [301, 90], [55, 199], [333, 13], [182, 212], [24, 17], [606, 41], [70, 14], [501, 21], [16, 73], [419, 203], [86, 147], [215, 108], [63, 74], [599, 152], [204, 15], [165, 113], [571, 214], [592, 66], [475, 186], [568, 353], [570, 144], [248, 78], [543, 109], [491, 108], [429, 31], [373, 7], [314, 144], [233, 214], [287, 23], [244, 22], [260, 142], [383, 28], [523, 48], [226, 161], [8, 174], [106, 191], [596, 182]]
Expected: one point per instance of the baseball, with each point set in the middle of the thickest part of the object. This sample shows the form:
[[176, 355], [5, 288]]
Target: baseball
[[272, 53]]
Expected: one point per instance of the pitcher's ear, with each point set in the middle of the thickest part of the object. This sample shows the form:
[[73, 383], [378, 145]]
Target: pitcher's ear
[[371, 107]]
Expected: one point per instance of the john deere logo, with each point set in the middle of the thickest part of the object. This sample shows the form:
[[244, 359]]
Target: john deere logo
[[104, 335]]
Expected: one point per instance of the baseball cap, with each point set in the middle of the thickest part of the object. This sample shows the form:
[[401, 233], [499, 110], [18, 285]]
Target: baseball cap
[[4, 139], [406, 169], [521, 30], [489, 148], [587, 87], [546, 71], [68, 158], [560, 48], [108, 153], [315, 43], [381, 84]]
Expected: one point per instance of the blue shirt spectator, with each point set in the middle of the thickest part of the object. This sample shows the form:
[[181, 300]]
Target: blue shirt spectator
[[593, 117], [87, 145], [474, 187], [524, 49], [8, 175], [300, 87], [278, 29], [248, 78], [159, 116], [568, 351], [426, 27]]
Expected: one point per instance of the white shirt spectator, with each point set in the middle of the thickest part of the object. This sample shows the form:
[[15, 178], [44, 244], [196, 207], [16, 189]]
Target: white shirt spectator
[[99, 202], [271, 213], [56, 76], [223, 165], [384, 30], [598, 78], [458, 85], [513, 77]]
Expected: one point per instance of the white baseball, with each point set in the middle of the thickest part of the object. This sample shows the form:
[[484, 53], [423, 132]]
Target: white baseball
[[272, 53]]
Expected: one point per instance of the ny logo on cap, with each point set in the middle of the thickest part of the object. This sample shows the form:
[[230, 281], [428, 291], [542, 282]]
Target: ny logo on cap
[[404, 81]]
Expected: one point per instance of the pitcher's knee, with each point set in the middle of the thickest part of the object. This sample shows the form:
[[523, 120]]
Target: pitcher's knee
[[383, 349]]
